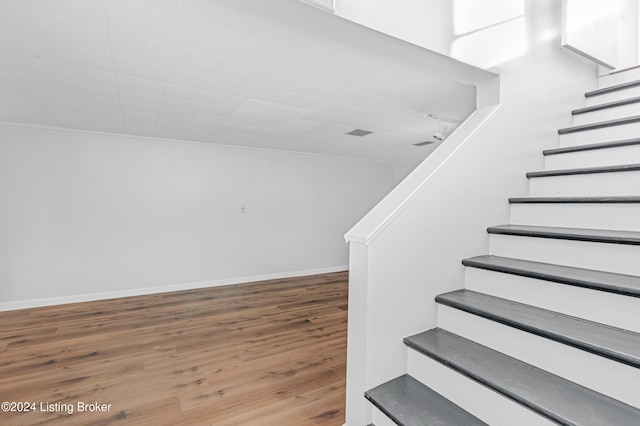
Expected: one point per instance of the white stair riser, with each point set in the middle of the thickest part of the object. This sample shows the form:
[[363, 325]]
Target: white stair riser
[[620, 77], [482, 402], [607, 114], [606, 308], [625, 131], [618, 258], [598, 373], [594, 158], [611, 97], [621, 217], [595, 184], [379, 418]]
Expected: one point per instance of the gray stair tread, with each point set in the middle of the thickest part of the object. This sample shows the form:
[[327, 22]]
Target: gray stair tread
[[603, 340], [558, 399], [615, 88], [600, 125], [585, 171], [606, 105], [597, 280], [575, 200], [592, 146], [408, 402], [575, 234]]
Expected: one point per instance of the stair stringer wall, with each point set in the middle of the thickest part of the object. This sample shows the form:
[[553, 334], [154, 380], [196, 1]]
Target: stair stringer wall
[[408, 249]]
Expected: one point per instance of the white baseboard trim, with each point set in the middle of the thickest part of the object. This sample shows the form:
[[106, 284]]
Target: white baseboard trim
[[37, 303]]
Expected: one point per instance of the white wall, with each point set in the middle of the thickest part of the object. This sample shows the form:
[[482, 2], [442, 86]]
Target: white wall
[[82, 214], [424, 23], [398, 269]]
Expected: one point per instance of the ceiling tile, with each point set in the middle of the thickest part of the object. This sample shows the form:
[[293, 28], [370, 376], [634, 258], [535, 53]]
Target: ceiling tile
[[208, 118], [209, 12], [140, 69], [52, 99], [132, 46], [130, 107], [6, 78], [206, 38], [134, 84], [40, 82], [203, 96], [179, 112], [197, 61], [140, 97], [89, 76], [180, 77], [25, 64], [94, 90], [144, 22], [15, 92], [20, 45], [16, 19], [271, 94], [85, 58], [73, 33], [95, 102], [169, 6], [85, 11], [14, 3]]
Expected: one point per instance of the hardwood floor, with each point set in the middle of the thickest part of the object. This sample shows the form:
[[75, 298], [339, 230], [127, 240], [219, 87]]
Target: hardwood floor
[[267, 353]]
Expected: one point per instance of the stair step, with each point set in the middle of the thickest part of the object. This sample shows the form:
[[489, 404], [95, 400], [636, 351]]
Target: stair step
[[600, 125], [600, 131], [609, 342], [595, 304], [575, 212], [623, 106], [585, 171], [575, 200], [606, 105], [613, 88], [408, 402], [628, 285], [618, 95], [591, 146], [553, 397], [568, 245], [605, 181], [569, 362], [609, 153], [574, 234], [619, 76]]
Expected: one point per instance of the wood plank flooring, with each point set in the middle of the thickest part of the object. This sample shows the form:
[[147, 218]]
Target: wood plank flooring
[[266, 353]]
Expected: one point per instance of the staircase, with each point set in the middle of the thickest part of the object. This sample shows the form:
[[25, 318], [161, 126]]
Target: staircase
[[547, 328]]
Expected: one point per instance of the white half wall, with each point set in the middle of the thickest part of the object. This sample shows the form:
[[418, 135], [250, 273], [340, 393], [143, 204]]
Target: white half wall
[[87, 216]]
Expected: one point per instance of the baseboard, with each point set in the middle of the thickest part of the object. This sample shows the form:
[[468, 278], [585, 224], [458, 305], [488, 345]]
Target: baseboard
[[37, 303]]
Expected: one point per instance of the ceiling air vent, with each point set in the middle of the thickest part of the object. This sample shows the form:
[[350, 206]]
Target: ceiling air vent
[[359, 132], [423, 143]]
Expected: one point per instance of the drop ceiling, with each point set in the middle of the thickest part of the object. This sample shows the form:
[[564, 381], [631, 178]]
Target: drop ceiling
[[275, 74]]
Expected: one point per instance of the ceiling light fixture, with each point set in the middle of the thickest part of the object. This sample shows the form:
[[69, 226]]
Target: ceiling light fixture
[[441, 133]]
